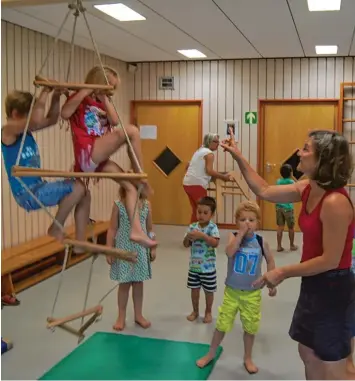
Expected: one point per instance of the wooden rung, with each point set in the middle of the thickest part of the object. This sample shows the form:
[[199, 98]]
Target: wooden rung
[[33, 172], [349, 99], [352, 142], [230, 187], [348, 120], [211, 189], [68, 328], [351, 185], [87, 324], [102, 249], [57, 322], [232, 193], [71, 86]]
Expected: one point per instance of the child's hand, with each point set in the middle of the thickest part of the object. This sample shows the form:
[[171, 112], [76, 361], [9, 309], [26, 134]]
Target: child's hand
[[194, 235], [272, 291], [109, 259], [243, 229], [153, 254]]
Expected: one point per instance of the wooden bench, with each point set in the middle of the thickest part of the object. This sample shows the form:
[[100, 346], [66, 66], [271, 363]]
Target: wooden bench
[[27, 264]]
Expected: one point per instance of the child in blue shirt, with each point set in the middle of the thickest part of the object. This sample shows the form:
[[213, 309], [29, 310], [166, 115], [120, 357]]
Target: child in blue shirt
[[203, 238]]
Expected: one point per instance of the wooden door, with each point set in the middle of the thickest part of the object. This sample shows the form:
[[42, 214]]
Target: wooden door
[[179, 134], [284, 127]]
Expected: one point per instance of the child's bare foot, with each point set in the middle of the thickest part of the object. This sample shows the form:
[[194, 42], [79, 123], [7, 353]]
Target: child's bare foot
[[293, 247], [208, 318], [143, 239], [204, 361], [250, 367], [144, 323], [119, 325], [55, 232], [193, 316], [280, 249]]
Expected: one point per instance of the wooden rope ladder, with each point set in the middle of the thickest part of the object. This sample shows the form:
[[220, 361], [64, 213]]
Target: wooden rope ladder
[[18, 172], [343, 120], [238, 188]]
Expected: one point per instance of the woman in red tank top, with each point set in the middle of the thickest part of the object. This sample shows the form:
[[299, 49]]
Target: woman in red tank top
[[324, 317]]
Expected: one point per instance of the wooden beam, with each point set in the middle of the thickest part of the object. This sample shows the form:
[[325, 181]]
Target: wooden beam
[[28, 3], [72, 86], [67, 328], [57, 322], [102, 249], [33, 172]]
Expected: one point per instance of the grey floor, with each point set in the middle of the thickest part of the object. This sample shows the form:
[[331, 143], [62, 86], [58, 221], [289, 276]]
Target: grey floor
[[167, 302]]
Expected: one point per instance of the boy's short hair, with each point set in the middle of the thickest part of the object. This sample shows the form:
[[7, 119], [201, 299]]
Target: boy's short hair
[[286, 171], [19, 101], [208, 201], [248, 206]]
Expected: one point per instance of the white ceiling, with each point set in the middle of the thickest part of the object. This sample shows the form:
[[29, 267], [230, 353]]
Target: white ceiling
[[222, 29]]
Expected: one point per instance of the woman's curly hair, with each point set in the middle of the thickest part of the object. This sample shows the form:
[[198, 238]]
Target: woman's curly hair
[[334, 161]]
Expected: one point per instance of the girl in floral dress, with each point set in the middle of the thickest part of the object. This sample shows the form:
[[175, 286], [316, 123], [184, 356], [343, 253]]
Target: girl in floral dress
[[127, 274]]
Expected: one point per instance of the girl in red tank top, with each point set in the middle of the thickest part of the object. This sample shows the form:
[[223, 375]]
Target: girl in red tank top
[[324, 316], [91, 116]]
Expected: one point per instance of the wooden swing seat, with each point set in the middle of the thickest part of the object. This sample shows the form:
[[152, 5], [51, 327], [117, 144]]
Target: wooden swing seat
[[96, 312], [70, 86], [102, 249], [18, 171]]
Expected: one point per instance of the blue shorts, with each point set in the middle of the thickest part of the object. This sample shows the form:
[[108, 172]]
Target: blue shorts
[[49, 193]]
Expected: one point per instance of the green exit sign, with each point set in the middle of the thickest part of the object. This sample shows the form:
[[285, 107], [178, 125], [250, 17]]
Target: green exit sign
[[251, 117]]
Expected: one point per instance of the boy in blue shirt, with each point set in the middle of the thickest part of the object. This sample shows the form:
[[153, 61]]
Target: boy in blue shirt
[[67, 194], [203, 238], [246, 251], [285, 212]]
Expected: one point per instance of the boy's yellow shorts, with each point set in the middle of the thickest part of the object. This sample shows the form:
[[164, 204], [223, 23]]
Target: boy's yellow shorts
[[248, 303]]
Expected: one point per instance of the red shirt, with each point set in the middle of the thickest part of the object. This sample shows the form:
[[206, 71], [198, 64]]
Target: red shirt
[[312, 229], [87, 124]]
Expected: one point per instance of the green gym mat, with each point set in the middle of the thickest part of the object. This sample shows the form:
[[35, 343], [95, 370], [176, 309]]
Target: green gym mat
[[112, 356]]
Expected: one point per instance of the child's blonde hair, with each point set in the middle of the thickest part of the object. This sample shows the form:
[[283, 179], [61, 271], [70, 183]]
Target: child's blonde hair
[[248, 206], [95, 76], [19, 101]]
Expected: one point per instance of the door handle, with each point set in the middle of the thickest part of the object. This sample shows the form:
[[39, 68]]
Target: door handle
[[269, 167]]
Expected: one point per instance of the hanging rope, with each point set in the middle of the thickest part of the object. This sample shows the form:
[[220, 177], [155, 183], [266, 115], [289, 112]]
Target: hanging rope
[[78, 7], [34, 95], [61, 277], [134, 156]]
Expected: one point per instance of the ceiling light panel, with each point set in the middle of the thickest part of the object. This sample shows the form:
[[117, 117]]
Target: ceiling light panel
[[192, 53], [120, 12], [324, 5], [326, 49]]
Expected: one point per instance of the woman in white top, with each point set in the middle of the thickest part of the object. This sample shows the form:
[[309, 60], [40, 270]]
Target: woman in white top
[[200, 171]]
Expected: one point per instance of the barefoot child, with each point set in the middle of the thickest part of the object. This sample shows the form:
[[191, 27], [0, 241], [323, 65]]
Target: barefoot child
[[203, 238], [285, 212], [245, 251], [92, 117], [67, 194], [128, 275]]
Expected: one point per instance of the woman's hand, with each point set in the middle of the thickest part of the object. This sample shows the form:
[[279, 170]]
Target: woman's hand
[[230, 145], [270, 279]]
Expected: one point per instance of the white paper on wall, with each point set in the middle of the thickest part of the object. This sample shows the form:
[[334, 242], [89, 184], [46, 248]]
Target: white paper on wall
[[148, 132]]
